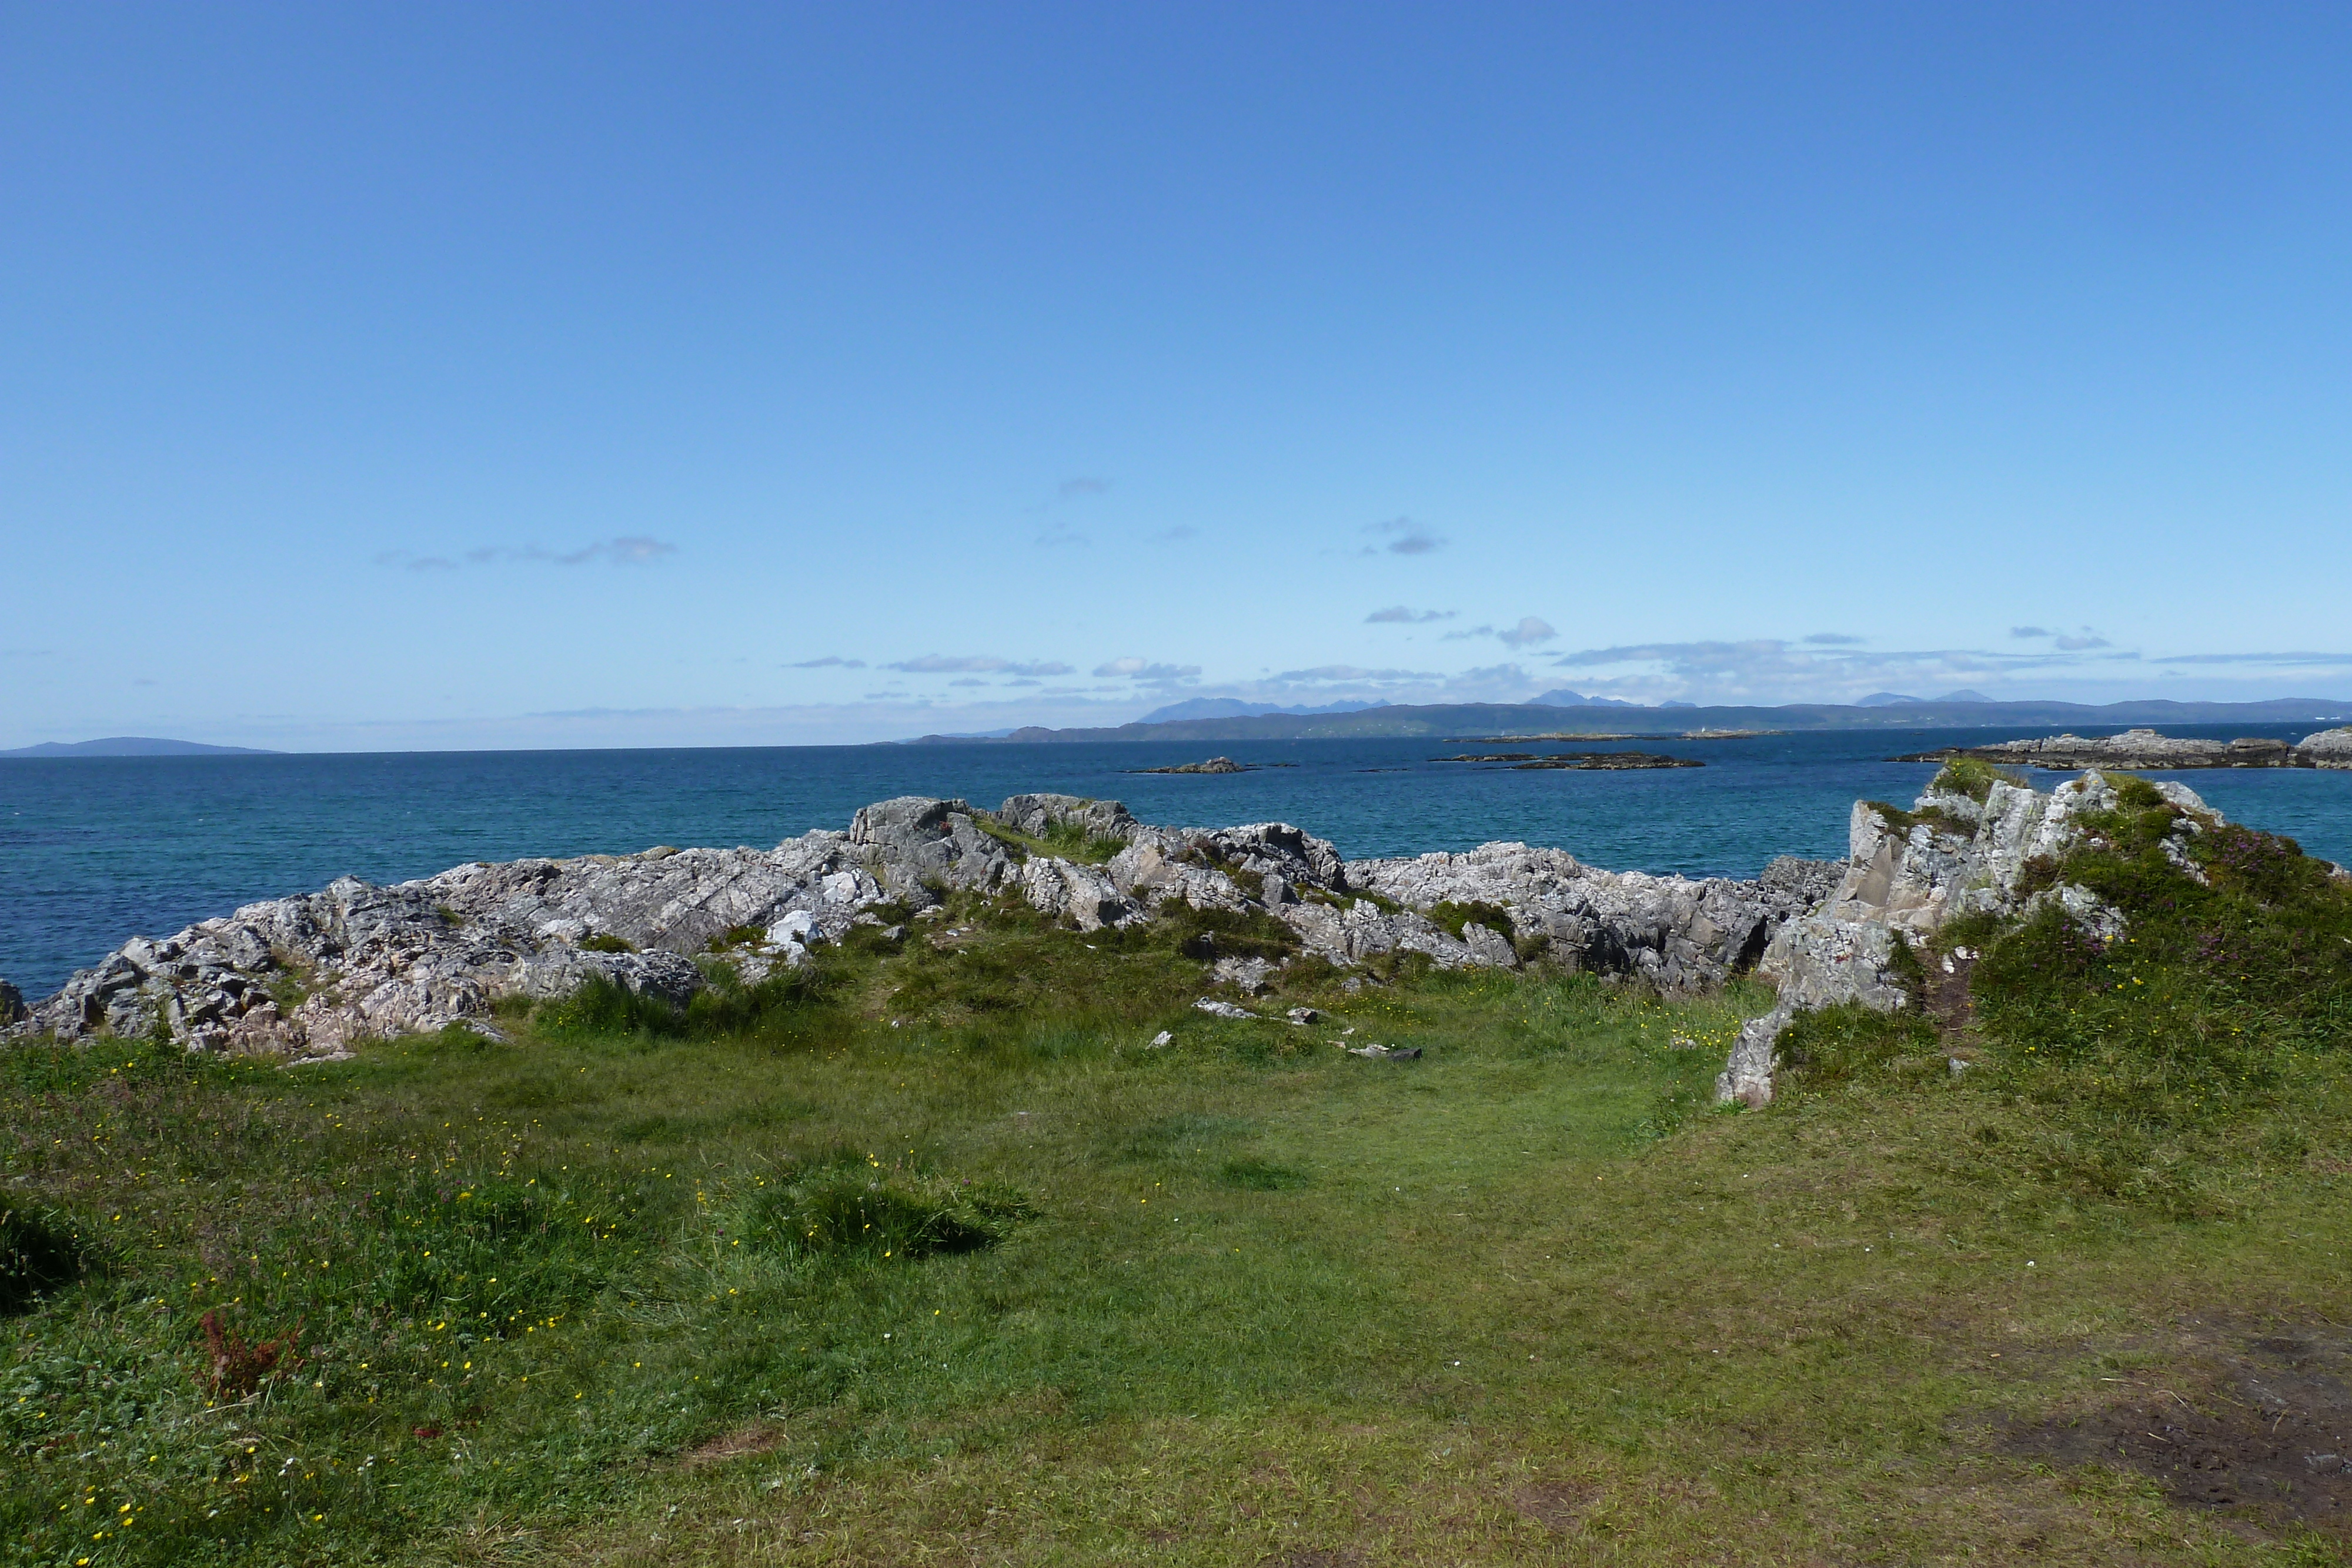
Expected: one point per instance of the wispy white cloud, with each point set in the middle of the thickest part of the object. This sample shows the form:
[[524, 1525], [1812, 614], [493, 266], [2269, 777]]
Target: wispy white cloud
[[976, 664], [1404, 537], [1835, 640], [830, 662], [1399, 616], [626, 549], [1170, 535], [1771, 670], [1145, 672], [1530, 630], [2071, 642], [2306, 661]]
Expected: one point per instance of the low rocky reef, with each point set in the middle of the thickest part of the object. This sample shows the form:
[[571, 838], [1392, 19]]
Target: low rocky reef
[[306, 978], [1575, 761], [2146, 748]]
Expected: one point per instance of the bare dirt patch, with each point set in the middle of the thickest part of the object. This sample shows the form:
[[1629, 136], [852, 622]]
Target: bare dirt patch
[[1944, 996], [2261, 1423], [757, 1438], [1555, 1505]]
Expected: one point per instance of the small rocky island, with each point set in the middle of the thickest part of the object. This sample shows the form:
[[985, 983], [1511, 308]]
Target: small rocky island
[[1214, 765], [2150, 750]]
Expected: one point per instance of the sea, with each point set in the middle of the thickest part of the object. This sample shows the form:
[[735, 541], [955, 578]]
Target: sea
[[94, 850]]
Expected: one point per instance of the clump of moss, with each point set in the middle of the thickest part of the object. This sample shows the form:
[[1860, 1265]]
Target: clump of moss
[[606, 942], [39, 1250], [1453, 914]]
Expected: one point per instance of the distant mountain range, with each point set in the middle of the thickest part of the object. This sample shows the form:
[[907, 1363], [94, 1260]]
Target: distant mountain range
[[1234, 708], [134, 745], [1884, 710]]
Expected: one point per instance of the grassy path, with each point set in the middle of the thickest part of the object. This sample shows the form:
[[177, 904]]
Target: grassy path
[[1523, 1300]]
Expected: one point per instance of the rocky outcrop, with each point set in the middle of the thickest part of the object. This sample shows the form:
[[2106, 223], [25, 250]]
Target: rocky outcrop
[[2329, 749], [308, 977], [1675, 932], [2146, 748], [1907, 873]]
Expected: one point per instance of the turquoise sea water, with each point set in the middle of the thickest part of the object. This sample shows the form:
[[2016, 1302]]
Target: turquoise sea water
[[94, 850]]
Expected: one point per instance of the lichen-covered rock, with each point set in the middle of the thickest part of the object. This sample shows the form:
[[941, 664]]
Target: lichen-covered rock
[[1674, 932]]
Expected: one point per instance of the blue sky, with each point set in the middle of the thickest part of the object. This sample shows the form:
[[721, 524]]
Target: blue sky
[[503, 375]]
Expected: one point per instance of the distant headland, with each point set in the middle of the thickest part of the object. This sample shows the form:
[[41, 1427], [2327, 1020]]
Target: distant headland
[[134, 745]]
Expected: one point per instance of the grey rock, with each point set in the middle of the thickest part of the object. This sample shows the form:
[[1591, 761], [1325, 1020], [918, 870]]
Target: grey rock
[[1304, 1017], [1037, 815], [1247, 976], [2329, 749], [1386, 1052], [1216, 1008], [1489, 947]]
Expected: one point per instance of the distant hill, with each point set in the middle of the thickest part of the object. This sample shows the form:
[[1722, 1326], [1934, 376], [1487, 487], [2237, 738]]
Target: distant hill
[[134, 745], [1234, 708], [1566, 698], [1962, 711]]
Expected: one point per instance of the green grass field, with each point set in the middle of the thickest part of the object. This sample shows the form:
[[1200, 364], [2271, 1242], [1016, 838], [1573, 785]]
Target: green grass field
[[932, 1258]]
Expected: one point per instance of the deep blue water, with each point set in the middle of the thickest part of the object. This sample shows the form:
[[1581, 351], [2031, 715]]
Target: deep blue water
[[94, 850]]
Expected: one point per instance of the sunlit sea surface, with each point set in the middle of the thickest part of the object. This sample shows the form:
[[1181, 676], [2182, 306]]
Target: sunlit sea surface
[[94, 850]]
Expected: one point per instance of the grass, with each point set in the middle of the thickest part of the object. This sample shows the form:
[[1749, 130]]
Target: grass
[[924, 1252]]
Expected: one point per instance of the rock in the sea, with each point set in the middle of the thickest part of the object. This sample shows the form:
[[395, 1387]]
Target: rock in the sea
[[1903, 880], [2329, 749], [2146, 748], [1214, 765]]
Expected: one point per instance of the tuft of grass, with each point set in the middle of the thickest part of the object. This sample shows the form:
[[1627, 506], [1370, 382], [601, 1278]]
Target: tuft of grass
[[40, 1249], [1252, 1174], [1061, 840], [851, 1205], [606, 942], [1974, 777]]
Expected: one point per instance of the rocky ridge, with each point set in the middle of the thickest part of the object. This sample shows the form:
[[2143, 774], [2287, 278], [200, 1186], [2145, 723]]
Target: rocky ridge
[[2150, 750], [308, 977], [1908, 871]]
